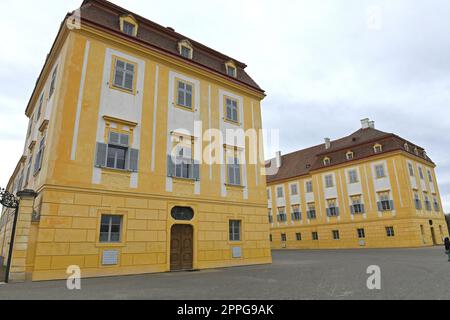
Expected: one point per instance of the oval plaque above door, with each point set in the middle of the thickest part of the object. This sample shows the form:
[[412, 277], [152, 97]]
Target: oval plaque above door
[[182, 213]]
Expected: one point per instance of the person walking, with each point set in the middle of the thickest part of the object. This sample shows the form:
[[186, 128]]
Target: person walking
[[447, 247]]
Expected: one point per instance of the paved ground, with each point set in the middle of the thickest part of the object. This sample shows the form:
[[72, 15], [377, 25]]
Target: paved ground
[[308, 274]]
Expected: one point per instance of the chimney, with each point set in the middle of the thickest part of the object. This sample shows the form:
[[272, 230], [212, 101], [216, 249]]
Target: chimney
[[365, 123], [278, 159], [327, 143], [372, 124]]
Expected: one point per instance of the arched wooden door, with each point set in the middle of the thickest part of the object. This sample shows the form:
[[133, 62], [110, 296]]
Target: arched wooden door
[[181, 247]]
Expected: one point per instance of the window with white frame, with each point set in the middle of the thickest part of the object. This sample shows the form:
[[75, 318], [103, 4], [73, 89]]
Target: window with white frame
[[183, 162], [124, 75], [294, 189], [417, 201], [353, 176], [296, 214], [231, 71], [270, 215], [39, 156], [332, 208], [110, 228], [421, 173], [186, 52], [326, 161], [379, 171], [311, 213], [235, 230], [116, 153], [280, 193], [53, 83], [356, 207], [128, 28], [430, 176], [232, 110], [184, 94], [411, 169], [436, 205], [377, 148], [385, 203], [281, 216], [309, 186], [329, 183], [234, 171], [427, 201], [350, 155]]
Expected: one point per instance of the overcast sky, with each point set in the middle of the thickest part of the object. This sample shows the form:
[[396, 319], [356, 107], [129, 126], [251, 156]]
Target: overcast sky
[[324, 64]]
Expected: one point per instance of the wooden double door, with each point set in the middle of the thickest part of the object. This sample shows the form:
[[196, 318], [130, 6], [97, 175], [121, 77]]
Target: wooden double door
[[181, 247]]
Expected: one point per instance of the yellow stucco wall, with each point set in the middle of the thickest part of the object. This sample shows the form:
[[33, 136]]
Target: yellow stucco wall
[[70, 205], [405, 219]]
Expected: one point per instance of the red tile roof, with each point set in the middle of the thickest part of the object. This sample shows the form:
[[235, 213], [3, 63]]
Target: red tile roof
[[105, 14], [361, 142]]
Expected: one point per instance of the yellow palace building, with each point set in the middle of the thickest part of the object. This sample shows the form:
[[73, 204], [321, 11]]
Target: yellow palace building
[[370, 189], [112, 155]]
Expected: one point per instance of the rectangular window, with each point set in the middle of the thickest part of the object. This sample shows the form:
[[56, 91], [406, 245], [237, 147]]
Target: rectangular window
[[361, 233], [411, 169], [315, 235], [128, 28], [335, 234], [39, 156], [390, 231], [311, 213], [332, 210], [427, 202], [30, 125], [53, 83], [385, 203], [357, 206], [329, 181], [234, 171], [436, 205], [186, 52], [184, 97], [298, 236], [417, 202], [117, 150], [231, 71], [353, 176], [309, 186], [420, 173], [296, 215], [39, 110], [294, 189], [232, 110], [430, 177], [270, 216], [124, 75], [270, 237], [281, 216], [280, 192], [183, 163], [379, 171], [235, 230], [110, 228], [268, 194], [283, 237]]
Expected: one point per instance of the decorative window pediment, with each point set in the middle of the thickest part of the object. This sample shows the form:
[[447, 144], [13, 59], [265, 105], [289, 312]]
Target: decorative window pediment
[[231, 69], [185, 49], [129, 25]]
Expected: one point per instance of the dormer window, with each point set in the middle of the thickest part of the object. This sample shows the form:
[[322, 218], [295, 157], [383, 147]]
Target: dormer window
[[377, 148], [128, 28], [416, 151], [231, 69], [350, 155], [185, 49], [129, 25], [326, 161]]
